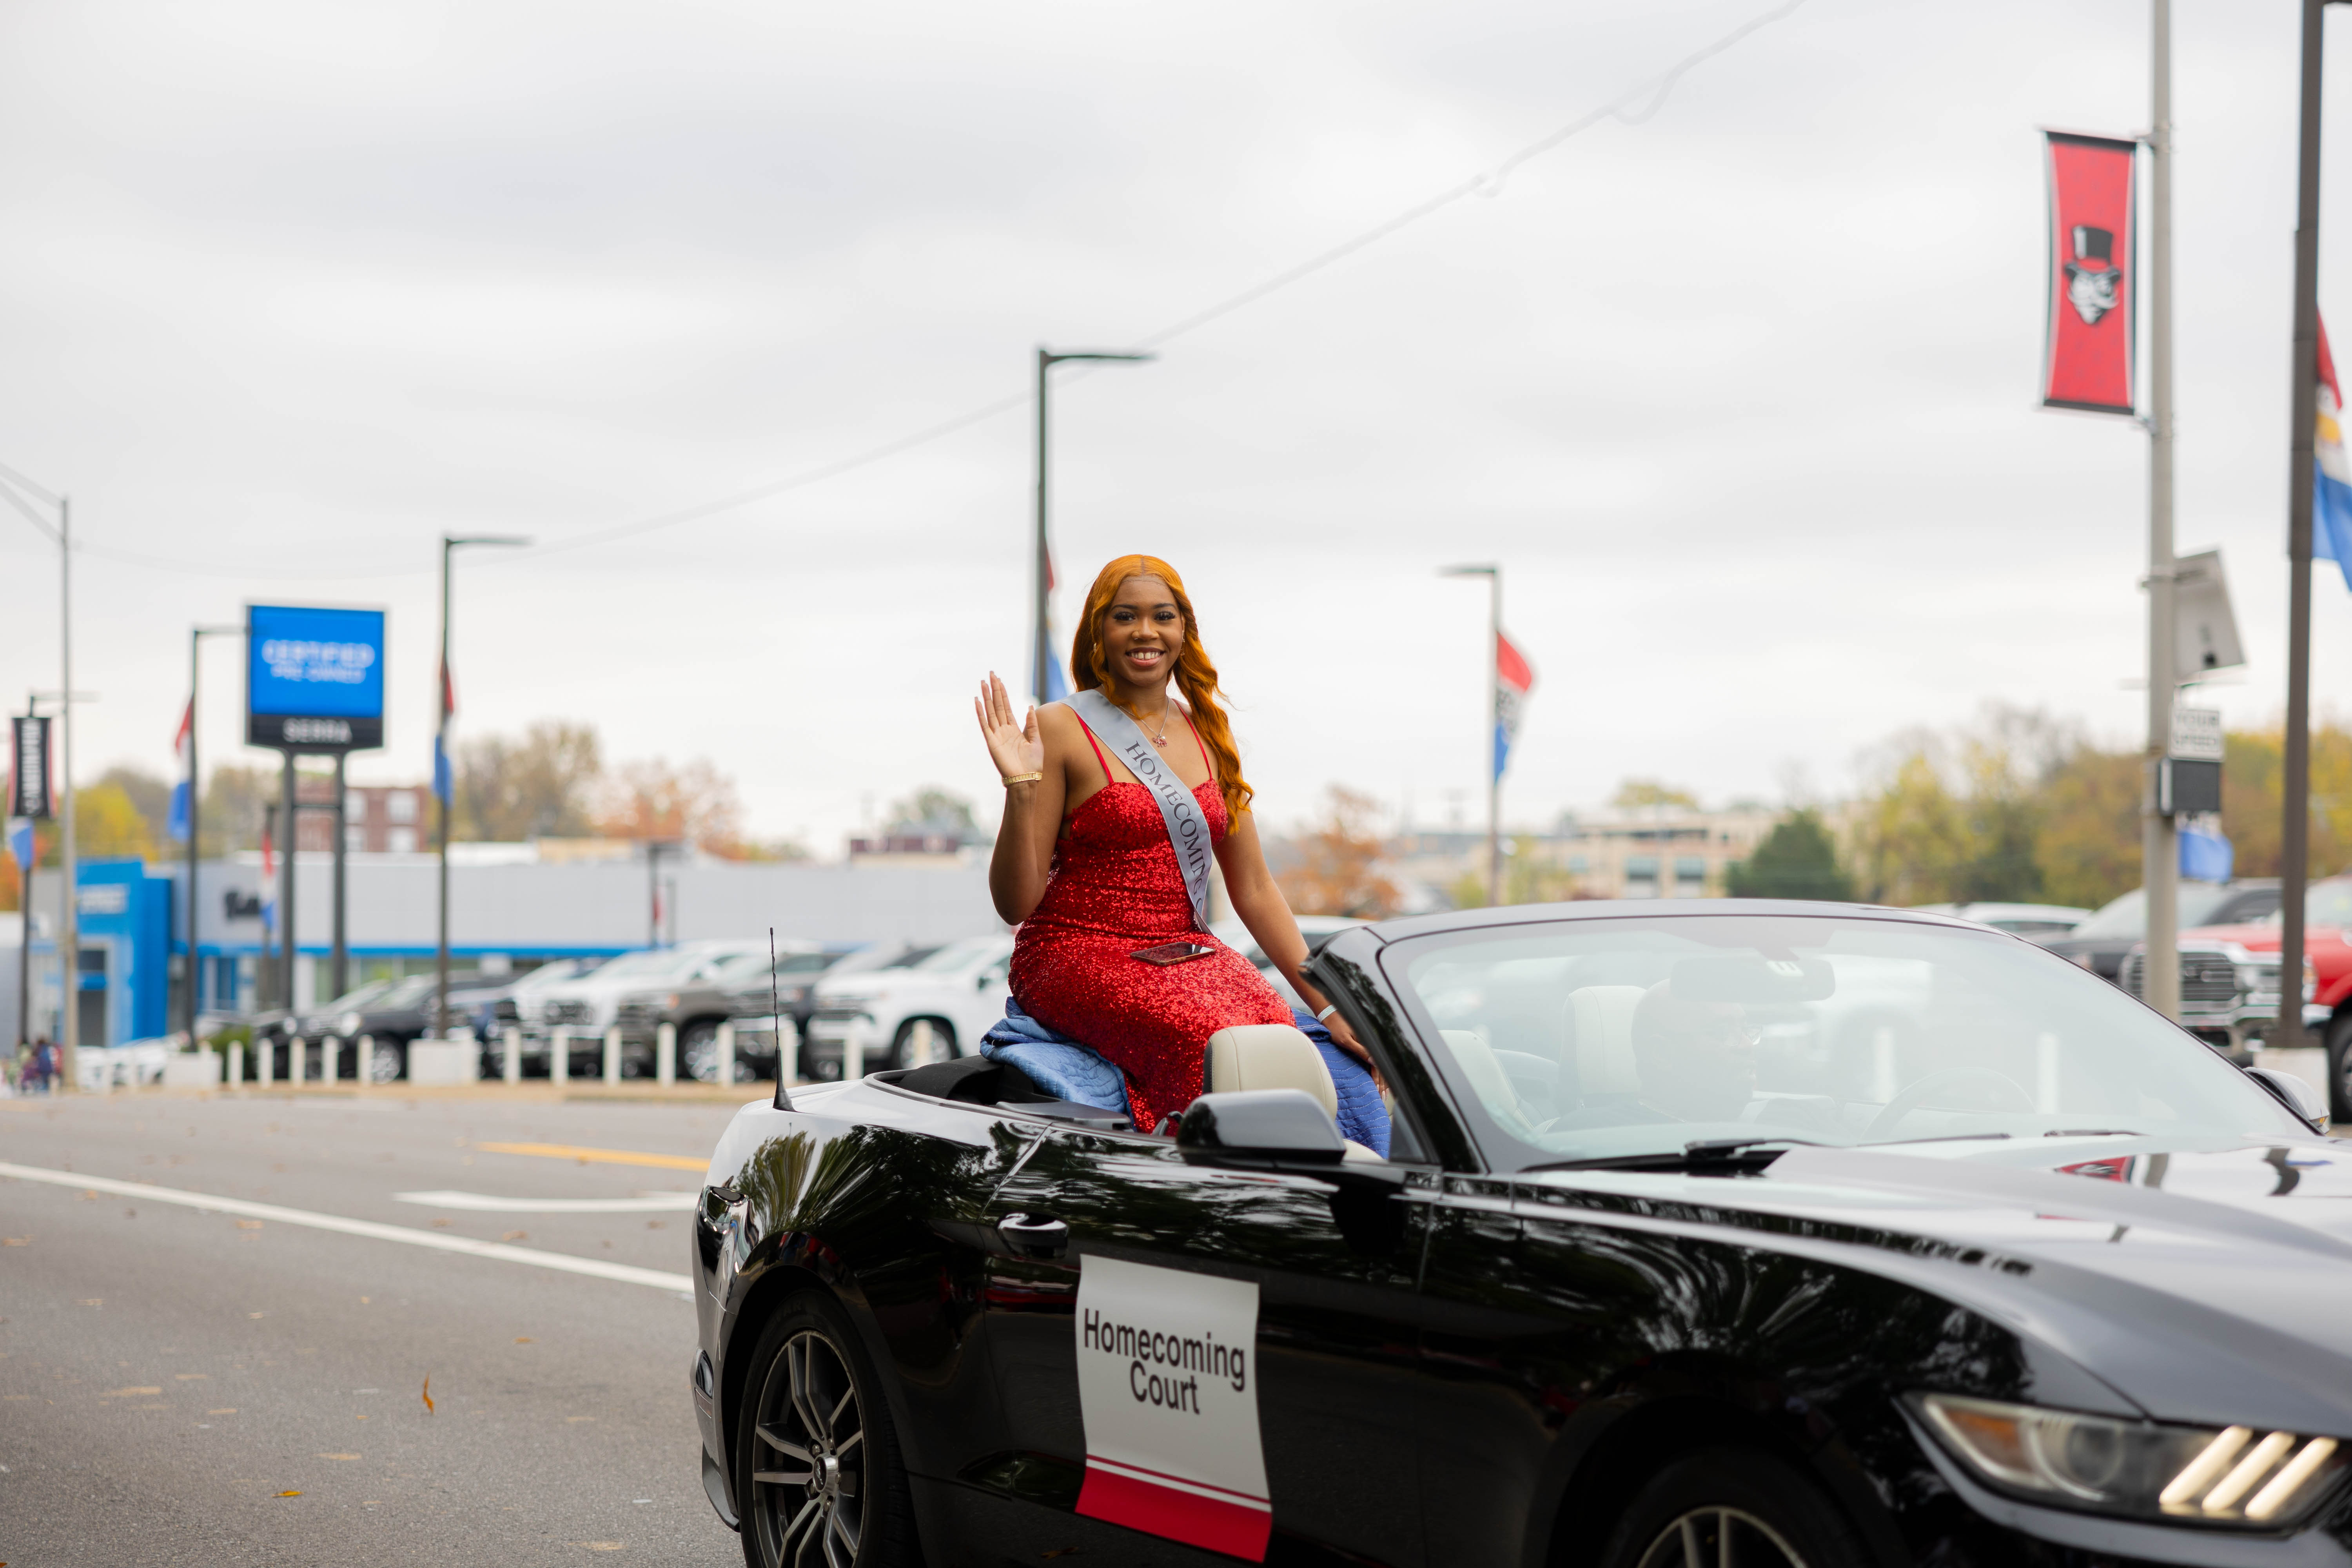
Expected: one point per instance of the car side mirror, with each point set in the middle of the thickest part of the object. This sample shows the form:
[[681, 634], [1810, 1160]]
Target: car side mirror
[[1259, 1127], [2294, 1094]]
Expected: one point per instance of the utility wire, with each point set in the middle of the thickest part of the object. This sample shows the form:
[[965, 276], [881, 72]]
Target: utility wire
[[1489, 182]]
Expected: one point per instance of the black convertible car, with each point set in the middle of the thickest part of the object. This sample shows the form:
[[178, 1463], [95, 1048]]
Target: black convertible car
[[1743, 1233]]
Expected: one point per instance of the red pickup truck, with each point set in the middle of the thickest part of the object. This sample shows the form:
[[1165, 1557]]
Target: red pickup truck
[[2233, 969]]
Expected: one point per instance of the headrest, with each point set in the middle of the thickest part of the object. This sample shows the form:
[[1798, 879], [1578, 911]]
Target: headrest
[[1598, 1023], [1269, 1056]]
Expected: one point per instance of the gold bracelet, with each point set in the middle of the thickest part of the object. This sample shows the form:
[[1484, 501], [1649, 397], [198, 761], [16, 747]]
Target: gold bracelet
[[1023, 778]]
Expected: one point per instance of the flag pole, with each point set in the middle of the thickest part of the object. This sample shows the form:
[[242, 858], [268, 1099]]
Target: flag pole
[[2295, 826], [2159, 842], [1494, 722]]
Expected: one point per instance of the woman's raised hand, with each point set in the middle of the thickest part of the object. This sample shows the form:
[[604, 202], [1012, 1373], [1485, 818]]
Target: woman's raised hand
[[1015, 748]]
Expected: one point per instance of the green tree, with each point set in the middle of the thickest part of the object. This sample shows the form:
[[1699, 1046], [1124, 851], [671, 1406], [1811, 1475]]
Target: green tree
[[1796, 860], [2087, 840]]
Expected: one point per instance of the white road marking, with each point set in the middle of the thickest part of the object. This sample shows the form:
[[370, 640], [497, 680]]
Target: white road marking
[[594, 1267], [482, 1203]]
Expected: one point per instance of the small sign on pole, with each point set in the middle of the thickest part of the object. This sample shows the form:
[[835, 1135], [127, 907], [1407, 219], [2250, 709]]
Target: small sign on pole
[[2196, 734]]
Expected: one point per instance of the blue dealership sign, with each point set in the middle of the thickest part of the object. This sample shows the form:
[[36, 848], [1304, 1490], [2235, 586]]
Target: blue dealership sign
[[313, 678]]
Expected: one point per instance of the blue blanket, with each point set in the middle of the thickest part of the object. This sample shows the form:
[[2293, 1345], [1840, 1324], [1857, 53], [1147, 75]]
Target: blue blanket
[[1066, 1070]]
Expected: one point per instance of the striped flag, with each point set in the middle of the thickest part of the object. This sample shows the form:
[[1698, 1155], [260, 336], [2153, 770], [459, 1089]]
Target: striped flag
[[2331, 476], [441, 786], [181, 792], [1515, 677]]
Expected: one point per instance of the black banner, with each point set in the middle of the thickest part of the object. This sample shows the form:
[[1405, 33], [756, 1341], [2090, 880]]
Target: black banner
[[28, 774], [285, 733]]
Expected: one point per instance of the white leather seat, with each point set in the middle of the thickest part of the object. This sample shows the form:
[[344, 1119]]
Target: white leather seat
[[1275, 1055], [1599, 1023], [1269, 1056]]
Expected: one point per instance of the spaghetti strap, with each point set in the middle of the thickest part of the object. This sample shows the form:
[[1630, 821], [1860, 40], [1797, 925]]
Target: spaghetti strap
[[1203, 745], [1098, 753]]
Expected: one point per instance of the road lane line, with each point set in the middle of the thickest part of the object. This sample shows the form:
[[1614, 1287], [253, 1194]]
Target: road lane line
[[484, 1202], [594, 1267], [598, 1156]]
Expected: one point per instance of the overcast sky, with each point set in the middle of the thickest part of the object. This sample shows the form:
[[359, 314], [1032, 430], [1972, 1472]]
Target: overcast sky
[[1742, 397]]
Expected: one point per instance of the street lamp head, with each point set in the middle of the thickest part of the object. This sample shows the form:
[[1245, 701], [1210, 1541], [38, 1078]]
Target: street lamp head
[[452, 541], [1470, 570], [1052, 356]]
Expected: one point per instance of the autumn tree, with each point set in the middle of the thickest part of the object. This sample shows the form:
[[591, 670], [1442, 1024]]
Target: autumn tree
[[1954, 818], [1650, 792], [543, 784], [1337, 868], [2087, 841], [654, 800]]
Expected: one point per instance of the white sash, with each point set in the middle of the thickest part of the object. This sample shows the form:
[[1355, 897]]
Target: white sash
[[1188, 828]]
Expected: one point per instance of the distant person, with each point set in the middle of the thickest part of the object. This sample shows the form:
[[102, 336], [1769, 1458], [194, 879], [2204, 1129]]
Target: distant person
[[45, 1065], [1088, 862]]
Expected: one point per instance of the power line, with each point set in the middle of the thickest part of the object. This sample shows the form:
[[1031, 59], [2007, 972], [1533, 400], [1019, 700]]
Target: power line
[[1489, 182]]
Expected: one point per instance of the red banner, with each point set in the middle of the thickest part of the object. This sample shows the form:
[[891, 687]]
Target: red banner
[[2091, 289]]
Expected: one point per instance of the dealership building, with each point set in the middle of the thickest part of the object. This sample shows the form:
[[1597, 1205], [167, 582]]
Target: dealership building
[[511, 906]]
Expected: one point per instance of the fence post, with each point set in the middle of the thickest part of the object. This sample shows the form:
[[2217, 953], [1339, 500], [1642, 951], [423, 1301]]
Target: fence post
[[613, 1054], [265, 1063], [727, 1052], [514, 1066], [236, 1064], [558, 1054], [665, 1053], [362, 1060]]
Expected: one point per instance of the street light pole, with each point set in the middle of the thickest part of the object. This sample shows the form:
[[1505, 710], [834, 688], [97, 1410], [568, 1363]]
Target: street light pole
[[69, 935], [450, 544], [1041, 648], [2159, 842], [1493, 575], [2302, 369], [196, 636]]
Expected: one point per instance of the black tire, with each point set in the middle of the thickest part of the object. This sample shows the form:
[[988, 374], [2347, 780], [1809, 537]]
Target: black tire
[[837, 1497], [943, 1044], [2340, 1067], [1777, 1518]]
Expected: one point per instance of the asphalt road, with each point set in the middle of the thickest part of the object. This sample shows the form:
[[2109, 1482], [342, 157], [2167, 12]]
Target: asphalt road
[[180, 1387]]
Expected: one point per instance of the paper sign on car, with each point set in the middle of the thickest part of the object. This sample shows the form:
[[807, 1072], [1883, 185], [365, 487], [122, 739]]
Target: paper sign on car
[[1168, 1388]]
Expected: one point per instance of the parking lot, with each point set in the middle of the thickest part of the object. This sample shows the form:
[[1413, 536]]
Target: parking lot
[[184, 1385]]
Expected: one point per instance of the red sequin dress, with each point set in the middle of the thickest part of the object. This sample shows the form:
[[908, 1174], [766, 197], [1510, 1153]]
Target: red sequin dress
[[1116, 886]]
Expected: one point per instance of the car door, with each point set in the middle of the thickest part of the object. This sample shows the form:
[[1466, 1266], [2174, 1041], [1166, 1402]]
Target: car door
[[1329, 1273]]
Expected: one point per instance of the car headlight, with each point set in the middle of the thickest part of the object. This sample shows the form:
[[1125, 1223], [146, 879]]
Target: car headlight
[[348, 1024], [2233, 1476]]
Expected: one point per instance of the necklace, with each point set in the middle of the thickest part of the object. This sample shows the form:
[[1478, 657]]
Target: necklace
[[1161, 738]]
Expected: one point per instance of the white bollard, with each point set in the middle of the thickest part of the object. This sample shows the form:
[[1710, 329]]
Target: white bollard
[[665, 1055], [853, 1053], [920, 1042], [788, 1052], [265, 1061], [513, 1073], [236, 1064], [363, 1062], [1882, 1064], [727, 1052], [558, 1054], [613, 1054]]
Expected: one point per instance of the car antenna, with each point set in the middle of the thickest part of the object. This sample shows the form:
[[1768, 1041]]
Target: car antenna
[[776, 1022]]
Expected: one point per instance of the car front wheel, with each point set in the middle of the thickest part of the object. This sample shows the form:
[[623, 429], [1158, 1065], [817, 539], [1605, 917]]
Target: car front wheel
[[817, 1476], [1731, 1505], [385, 1063]]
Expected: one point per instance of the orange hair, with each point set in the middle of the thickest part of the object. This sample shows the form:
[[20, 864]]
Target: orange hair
[[1196, 677]]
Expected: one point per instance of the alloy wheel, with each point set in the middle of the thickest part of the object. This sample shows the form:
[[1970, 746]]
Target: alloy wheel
[[383, 1065], [808, 1490], [1720, 1537]]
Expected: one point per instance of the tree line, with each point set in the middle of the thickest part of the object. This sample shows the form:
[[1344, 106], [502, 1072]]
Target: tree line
[[550, 781]]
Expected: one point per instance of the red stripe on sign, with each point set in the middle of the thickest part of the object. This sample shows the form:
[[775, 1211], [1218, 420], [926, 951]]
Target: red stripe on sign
[[1234, 1529]]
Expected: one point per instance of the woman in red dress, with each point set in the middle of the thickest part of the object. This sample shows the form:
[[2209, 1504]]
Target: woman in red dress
[[1085, 867]]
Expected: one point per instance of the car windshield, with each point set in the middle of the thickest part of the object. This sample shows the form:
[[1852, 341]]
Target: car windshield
[[960, 955], [2329, 904], [1587, 1039], [2127, 917], [652, 963], [350, 1001]]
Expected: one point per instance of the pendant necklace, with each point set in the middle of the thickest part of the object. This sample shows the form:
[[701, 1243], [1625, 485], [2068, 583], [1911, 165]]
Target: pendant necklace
[[1161, 738]]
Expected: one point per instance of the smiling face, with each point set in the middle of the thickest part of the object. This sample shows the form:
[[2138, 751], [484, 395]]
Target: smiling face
[[1142, 635]]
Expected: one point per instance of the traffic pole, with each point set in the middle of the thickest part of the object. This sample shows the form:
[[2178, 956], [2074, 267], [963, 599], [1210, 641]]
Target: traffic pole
[[2159, 843]]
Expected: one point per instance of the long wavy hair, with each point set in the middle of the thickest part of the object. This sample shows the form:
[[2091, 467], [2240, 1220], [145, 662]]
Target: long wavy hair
[[1196, 677]]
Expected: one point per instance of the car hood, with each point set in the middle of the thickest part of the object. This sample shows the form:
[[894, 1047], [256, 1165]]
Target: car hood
[[2322, 943], [2205, 1284]]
